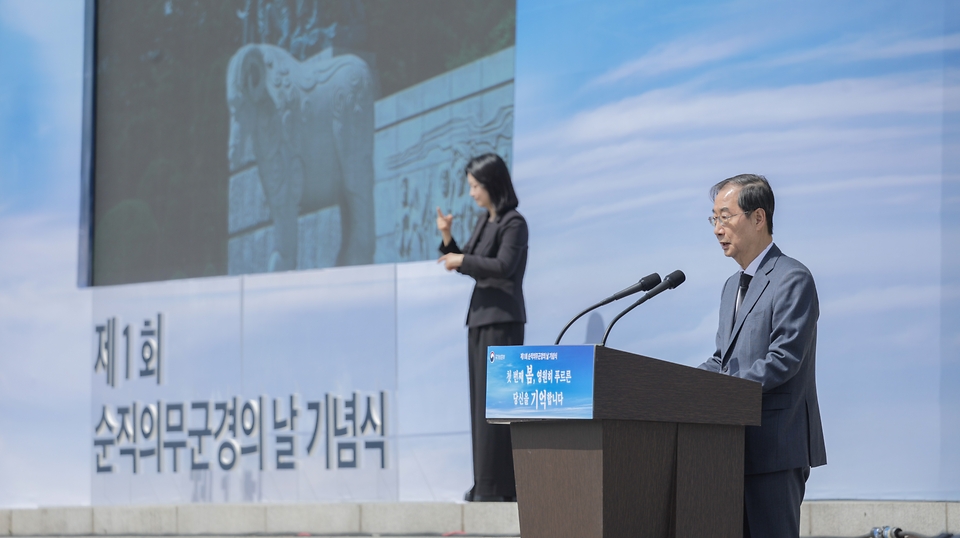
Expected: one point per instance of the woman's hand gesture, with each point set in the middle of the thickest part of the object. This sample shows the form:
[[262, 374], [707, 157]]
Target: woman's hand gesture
[[451, 261], [444, 223]]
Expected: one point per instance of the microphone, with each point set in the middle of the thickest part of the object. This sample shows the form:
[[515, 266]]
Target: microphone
[[646, 283], [671, 281]]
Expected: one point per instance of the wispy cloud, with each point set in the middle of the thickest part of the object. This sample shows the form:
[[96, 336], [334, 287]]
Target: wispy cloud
[[646, 157], [50, 24], [634, 203], [657, 146], [874, 300], [702, 336], [44, 364], [861, 183], [44, 319], [871, 47], [702, 53], [44, 314], [667, 111], [54, 31], [676, 56]]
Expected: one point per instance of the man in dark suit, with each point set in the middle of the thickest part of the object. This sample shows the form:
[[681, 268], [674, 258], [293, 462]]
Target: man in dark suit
[[768, 334]]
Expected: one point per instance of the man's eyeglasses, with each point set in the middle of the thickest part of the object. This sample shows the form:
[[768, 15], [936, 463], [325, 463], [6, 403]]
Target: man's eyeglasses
[[723, 219]]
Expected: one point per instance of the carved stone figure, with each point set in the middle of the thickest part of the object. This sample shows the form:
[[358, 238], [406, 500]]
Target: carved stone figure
[[308, 129]]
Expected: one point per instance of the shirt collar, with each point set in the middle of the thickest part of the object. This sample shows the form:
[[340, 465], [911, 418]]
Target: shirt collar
[[755, 264]]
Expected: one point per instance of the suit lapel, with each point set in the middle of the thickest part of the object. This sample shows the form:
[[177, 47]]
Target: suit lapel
[[728, 302], [471, 245], [758, 285]]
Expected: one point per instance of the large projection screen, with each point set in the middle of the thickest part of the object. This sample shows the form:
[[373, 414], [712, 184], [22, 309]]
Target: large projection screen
[[252, 136]]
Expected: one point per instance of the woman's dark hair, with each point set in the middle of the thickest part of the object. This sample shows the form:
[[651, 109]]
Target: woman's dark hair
[[490, 171]]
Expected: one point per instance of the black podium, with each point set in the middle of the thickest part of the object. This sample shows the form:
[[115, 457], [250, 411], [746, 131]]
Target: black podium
[[662, 455]]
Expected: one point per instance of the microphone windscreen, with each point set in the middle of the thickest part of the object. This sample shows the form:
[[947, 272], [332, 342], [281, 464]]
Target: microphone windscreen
[[676, 278], [649, 282]]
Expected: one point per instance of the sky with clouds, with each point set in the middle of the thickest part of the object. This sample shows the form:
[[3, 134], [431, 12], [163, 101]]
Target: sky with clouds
[[44, 319], [626, 113]]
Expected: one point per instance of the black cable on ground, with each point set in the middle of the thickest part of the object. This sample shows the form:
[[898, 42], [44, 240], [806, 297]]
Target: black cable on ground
[[893, 532]]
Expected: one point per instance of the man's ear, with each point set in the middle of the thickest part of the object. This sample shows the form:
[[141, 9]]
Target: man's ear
[[759, 217]]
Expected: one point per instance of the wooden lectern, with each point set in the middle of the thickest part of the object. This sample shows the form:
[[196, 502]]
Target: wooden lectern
[[662, 455]]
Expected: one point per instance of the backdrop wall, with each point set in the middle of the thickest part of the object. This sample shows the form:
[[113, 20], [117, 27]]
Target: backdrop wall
[[624, 115]]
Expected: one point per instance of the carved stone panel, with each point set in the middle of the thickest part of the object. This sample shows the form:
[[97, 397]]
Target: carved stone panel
[[291, 171]]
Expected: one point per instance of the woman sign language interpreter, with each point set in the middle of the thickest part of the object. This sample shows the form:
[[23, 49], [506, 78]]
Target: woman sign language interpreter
[[496, 257]]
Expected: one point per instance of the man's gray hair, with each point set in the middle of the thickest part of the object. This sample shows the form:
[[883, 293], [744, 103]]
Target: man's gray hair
[[755, 193]]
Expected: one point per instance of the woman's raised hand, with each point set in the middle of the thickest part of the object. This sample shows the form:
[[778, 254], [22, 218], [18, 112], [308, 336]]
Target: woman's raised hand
[[444, 223]]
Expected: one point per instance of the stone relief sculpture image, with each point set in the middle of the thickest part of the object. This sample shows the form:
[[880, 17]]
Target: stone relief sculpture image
[[305, 130], [323, 172]]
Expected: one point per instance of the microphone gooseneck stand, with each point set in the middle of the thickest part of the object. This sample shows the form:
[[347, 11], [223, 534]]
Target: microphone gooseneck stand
[[646, 283], [620, 315], [671, 281]]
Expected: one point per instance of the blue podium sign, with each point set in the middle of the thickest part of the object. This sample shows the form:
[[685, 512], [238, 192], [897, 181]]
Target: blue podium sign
[[540, 382]]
